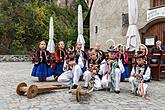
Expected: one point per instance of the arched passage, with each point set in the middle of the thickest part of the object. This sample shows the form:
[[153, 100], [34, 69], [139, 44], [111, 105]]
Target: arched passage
[[154, 28]]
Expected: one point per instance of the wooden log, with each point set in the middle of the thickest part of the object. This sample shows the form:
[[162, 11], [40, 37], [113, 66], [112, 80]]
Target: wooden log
[[33, 90], [51, 87], [78, 93], [21, 88]]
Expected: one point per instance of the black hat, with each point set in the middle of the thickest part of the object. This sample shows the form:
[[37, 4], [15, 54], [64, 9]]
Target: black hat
[[111, 49], [139, 54], [70, 52]]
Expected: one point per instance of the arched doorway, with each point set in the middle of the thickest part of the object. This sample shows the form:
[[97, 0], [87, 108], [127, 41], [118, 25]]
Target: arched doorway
[[155, 29]]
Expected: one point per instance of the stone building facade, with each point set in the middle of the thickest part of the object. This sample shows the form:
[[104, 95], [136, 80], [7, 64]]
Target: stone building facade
[[106, 20]]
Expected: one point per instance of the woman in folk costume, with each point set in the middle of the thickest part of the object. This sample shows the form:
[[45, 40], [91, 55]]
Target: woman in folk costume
[[41, 59], [76, 65], [123, 56], [139, 75], [144, 49], [97, 69], [60, 56], [115, 68]]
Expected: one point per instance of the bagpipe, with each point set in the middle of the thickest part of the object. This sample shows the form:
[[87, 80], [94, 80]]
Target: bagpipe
[[69, 64], [94, 68], [140, 86], [139, 73], [138, 77]]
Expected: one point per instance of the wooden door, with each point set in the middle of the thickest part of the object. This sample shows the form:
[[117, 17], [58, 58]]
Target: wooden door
[[156, 30], [158, 2]]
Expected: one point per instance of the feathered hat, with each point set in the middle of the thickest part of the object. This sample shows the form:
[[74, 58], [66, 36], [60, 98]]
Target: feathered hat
[[111, 49], [70, 51]]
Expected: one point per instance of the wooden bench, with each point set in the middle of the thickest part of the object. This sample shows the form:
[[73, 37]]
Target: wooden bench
[[157, 69], [131, 60]]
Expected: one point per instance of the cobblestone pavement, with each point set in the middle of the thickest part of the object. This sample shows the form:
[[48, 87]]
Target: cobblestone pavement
[[13, 73]]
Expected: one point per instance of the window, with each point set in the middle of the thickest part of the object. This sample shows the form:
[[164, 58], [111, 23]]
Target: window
[[96, 29], [157, 3], [125, 20]]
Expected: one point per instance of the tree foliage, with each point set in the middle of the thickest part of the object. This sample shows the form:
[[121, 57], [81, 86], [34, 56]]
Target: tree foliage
[[24, 24]]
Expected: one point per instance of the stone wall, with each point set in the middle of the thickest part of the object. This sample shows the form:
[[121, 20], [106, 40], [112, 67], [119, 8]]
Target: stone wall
[[15, 58], [107, 16]]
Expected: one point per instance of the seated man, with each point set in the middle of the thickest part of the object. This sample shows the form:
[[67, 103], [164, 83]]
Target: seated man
[[97, 69], [157, 48], [115, 67], [75, 67], [139, 75]]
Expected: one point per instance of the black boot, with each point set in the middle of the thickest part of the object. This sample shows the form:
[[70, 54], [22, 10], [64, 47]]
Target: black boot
[[117, 92], [74, 86]]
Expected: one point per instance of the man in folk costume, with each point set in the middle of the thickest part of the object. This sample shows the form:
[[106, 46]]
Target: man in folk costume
[[139, 75], [115, 68], [81, 57], [75, 65], [97, 69]]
